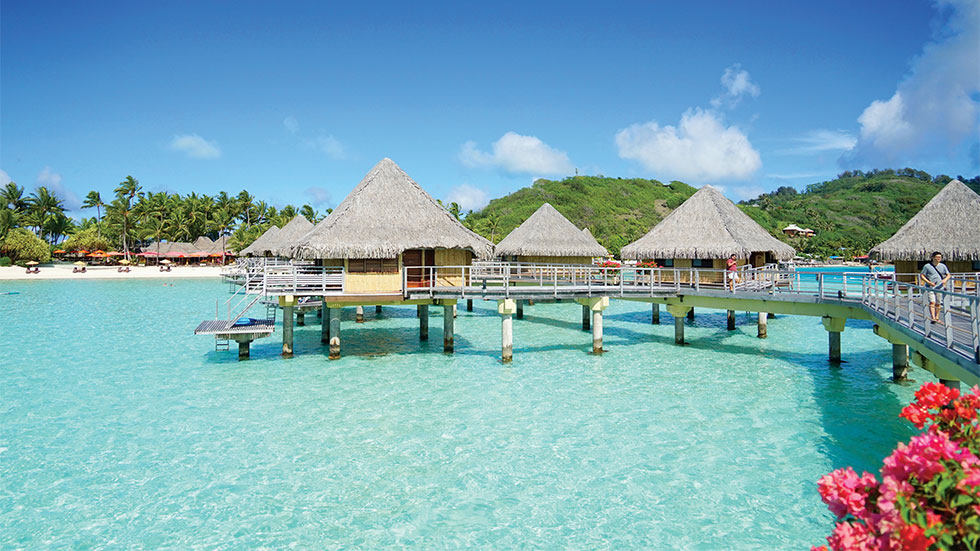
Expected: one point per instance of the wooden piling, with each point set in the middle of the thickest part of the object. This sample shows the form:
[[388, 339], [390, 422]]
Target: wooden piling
[[359, 314], [834, 327], [586, 318], [448, 321], [324, 324], [300, 319], [655, 314], [423, 322], [243, 349], [334, 334], [834, 346], [678, 330], [520, 309], [469, 305], [731, 320], [377, 309]]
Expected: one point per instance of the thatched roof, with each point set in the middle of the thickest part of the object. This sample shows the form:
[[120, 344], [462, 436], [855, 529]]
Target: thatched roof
[[548, 233], [289, 235], [386, 214], [949, 223], [203, 244], [707, 225], [261, 244]]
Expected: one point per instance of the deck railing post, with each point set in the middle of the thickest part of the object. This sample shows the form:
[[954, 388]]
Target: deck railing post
[[911, 308], [948, 319], [975, 328], [820, 285]]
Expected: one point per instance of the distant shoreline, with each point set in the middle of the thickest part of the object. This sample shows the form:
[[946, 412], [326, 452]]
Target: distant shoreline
[[64, 272]]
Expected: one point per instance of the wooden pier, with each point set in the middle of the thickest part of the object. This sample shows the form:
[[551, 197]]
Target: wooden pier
[[951, 349]]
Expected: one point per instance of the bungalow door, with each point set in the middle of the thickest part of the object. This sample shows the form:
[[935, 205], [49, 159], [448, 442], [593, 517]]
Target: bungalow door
[[416, 261]]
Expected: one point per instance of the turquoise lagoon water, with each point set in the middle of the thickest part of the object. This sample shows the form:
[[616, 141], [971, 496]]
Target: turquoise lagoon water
[[120, 429]]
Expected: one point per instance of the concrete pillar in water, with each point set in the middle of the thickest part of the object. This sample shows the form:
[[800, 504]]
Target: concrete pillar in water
[[834, 327], [423, 322], [448, 321], [586, 318], [287, 303], [506, 308], [359, 314], [520, 309], [334, 334], [731, 320], [655, 317], [763, 325], [927, 364], [770, 315], [469, 305], [300, 319], [690, 314], [900, 362], [594, 306], [678, 311], [454, 310], [377, 309], [319, 313], [243, 349], [324, 324]]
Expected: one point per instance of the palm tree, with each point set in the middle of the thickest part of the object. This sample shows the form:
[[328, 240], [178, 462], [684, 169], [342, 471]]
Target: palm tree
[[310, 214], [245, 201], [12, 197], [94, 199], [128, 190], [42, 203], [454, 209], [154, 228], [58, 225], [8, 221], [492, 222]]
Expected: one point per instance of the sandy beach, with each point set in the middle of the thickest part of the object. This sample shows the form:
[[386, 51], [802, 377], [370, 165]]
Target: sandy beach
[[109, 272]]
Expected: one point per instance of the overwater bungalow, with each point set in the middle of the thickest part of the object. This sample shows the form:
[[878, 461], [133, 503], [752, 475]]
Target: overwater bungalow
[[547, 237], [290, 234], [702, 233], [388, 222], [263, 245], [949, 223]]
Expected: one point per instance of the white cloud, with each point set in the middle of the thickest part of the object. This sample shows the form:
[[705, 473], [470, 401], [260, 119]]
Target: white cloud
[[291, 124], [816, 141], [52, 180], [331, 146], [701, 149], [935, 107], [747, 192], [514, 153], [318, 196], [738, 84], [195, 147], [468, 197], [4, 178]]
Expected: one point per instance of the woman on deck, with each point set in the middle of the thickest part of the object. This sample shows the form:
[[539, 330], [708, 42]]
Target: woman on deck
[[935, 274], [731, 272]]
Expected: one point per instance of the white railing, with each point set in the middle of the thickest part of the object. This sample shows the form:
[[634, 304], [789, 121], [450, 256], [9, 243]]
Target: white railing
[[909, 306], [302, 280]]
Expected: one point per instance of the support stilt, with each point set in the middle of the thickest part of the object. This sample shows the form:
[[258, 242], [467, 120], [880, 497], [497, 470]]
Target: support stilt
[[300, 319], [763, 325], [834, 327], [377, 309], [324, 324], [454, 311], [334, 334], [655, 317], [506, 308], [319, 313], [520, 309], [586, 318], [597, 331], [770, 315], [950, 383], [287, 331], [448, 321], [690, 314], [731, 320], [243, 350], [423, 322], [359, 315], [678, 311], [469, 305], [900, 362]]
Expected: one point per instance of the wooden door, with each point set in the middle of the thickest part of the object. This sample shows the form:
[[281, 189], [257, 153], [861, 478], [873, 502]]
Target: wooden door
[[414, 260]]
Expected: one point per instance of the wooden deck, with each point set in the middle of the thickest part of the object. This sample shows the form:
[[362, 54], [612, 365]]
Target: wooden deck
[[257, 327]]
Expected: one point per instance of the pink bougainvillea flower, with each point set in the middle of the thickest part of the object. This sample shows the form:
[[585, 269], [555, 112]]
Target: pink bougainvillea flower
[[845, 492]]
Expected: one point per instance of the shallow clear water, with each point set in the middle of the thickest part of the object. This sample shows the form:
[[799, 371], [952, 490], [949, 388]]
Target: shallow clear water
[[119, 428]]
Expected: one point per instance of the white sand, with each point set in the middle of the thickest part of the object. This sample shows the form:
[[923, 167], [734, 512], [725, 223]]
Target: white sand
[[110, 272]]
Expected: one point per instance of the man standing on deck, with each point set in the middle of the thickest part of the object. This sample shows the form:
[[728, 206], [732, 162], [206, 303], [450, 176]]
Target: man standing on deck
[[934, 274]]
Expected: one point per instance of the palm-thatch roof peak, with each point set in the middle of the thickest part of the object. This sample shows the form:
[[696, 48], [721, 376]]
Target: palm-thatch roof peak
[[948, 223], [707, 225], [261, 245], [289, 235], [385, 215], [548, 233]]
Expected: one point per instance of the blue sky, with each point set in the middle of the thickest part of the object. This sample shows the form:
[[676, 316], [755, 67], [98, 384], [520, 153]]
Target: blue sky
[[296, 101]]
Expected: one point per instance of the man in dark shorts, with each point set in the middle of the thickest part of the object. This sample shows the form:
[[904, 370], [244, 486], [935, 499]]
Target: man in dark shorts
[[935, 274]]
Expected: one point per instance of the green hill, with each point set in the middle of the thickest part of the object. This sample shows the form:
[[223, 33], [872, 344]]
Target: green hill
[[855, 211]]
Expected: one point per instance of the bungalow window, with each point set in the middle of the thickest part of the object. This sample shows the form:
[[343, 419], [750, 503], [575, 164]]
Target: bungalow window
[[665, 262], [976, 265], [702, 263], [372, 265]]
